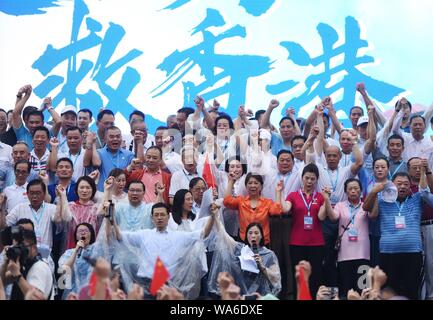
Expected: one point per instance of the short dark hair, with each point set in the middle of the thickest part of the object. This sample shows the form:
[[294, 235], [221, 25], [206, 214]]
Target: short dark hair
[[381, 158], [29, 235], [137, 182], [29, 166], [113, 128], [36, 182], [27, 111], [346, 183], [116, 172], [25, 221], [103, 113], [161, 128], [91, 230], [238, 158], [87, 111], [401, 174], [89, 181], [160, 205], [36, 113], [250, 175], [311, 168], [284, 151], [299, 137], [395, 137], [177, 209], [259, 113], [137, 113], [258, 225], [356, 107], [73, 129], [221, 117], [410, 160], [286, 118], [65, 159], [194, 181], [416, 116], [186, 110], [41, 128]]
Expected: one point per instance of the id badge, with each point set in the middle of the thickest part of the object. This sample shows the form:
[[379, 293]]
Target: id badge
[[353, 235], [400, 222], [38, 237], [308, 223]]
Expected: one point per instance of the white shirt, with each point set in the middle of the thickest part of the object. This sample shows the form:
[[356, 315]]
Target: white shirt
[[5, 163], [413, 148], [40, 277], [41, 219], [15, 195], [77, 160], [39, 164], [173, 161], [273, 177], [334, 179], [167, 245], [129, 140], [180, 180]]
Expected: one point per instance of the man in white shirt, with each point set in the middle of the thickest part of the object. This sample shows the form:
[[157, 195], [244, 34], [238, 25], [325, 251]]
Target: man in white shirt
[[29, 272], [74, 139], [40, 212], [161, 242], [181, 179], [17, 193]]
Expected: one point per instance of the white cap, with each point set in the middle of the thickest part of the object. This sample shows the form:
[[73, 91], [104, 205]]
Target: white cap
[[390, 193], [69, 109], [265, 134], [362, 120]]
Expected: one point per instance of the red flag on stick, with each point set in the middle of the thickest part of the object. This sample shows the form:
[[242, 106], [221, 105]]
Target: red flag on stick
[[160, 277], [304, 290], [207, 174]]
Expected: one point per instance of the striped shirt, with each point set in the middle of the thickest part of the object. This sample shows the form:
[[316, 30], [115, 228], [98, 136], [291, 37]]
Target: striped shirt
[[407, 239], [39, 164]]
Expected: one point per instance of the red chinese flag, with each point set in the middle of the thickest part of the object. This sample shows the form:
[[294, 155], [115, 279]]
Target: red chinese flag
[[304, 290], [160, 277], [207, 174]]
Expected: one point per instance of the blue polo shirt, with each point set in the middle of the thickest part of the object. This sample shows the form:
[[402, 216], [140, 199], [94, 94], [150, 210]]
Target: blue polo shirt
[[23, 134], [408, 239], [121, 159], [277, 144]]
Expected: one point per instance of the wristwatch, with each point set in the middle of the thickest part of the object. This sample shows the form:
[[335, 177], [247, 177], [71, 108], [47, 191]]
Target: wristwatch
[[17, 278], [428, 173]]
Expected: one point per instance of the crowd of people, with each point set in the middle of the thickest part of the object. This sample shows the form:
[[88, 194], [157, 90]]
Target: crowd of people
[[232, 208]]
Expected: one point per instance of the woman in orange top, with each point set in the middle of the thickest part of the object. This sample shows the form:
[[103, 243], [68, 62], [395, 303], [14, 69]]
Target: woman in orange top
[[253, 208]]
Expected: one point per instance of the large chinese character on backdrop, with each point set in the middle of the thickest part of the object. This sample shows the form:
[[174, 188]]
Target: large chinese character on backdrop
[[318, 84]]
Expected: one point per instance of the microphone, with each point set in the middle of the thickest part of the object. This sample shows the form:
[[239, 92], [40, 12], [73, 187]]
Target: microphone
[[80, 249], [255, 250]]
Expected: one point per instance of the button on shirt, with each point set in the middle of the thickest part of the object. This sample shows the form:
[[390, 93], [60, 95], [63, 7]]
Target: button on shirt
[[15, 195], [120, 159], [130, 218], [41, 219], [408, 239], [167, 245]]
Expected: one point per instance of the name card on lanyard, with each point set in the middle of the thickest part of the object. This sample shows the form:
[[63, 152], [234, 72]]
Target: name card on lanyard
[[400, 221], [308, 220], [353, 232]]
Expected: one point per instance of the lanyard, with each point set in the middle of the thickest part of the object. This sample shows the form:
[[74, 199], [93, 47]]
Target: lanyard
[[76, 158], [35, 215], [189, 177], [353, 211], [395, 171], [59, 137], [401, 206], [99, 140], [308, 206], [333, 184]]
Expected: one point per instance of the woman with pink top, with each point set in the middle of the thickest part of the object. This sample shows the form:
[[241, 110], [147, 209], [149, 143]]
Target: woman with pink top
[[354, 252], [83, 210]]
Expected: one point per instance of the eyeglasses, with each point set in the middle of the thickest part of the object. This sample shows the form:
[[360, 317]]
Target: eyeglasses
[[21, 172]]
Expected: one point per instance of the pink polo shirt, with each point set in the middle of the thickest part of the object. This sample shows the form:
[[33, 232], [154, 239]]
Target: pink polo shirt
[[353, 250], [149, 179]]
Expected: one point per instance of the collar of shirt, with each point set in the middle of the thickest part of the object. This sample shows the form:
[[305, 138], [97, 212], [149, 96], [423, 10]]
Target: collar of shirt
[[45, 156], [153, 173], [161, 232], [17, 187], [116, 154], [189, 174]]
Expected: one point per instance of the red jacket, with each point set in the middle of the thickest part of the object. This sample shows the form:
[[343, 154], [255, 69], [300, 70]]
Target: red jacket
[[138, 175]]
